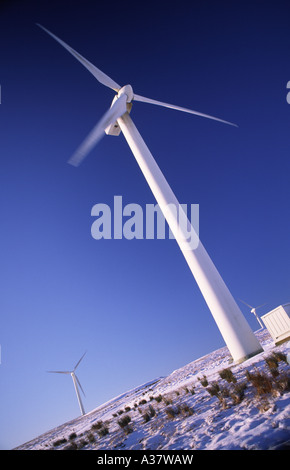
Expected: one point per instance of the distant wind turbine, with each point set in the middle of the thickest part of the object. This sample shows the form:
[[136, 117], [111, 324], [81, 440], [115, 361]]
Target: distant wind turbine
[[234, 328], [75, 381], [253, 310]]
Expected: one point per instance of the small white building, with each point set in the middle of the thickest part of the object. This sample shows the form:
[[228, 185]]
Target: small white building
[[277, 323]]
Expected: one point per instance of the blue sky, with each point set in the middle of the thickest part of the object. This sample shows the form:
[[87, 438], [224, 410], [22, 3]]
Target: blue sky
[[133, 305]]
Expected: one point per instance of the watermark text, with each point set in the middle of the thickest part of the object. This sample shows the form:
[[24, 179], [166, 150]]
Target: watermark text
[[131, 221]]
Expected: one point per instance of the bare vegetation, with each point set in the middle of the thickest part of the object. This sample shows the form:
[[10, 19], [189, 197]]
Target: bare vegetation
[[227, 375], [262, 384], [230, 386]]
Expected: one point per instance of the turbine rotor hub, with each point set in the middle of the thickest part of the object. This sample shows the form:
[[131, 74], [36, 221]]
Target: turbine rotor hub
[[127, 90]]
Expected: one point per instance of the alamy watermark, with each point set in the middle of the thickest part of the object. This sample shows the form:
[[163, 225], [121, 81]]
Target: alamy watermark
[[131, 221]]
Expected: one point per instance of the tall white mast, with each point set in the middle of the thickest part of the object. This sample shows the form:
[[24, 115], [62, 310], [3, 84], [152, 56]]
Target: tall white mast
[[78, 393], [240, 339]]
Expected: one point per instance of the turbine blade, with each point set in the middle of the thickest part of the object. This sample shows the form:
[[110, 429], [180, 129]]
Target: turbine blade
[[179, 108], [58, 371], [97, 73], [117, 109], [79, 384], [246, 303], [79, 361], [260, 306]]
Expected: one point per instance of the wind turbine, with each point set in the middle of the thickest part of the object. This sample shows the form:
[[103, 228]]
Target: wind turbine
[[75, 381], [234, 328], [253, 310]]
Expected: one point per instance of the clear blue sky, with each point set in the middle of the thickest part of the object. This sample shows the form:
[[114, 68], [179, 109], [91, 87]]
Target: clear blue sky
[[133, 305]]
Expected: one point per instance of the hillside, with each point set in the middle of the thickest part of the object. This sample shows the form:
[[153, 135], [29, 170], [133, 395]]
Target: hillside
[[193, 408]]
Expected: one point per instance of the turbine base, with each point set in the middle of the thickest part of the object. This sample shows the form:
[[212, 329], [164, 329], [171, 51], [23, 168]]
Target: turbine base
[[245, 358]]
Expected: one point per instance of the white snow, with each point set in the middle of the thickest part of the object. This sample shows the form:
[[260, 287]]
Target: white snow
[[182, 420]]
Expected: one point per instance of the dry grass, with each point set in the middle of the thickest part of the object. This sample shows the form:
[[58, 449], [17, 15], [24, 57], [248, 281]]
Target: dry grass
[[123, 422], [227, 375]]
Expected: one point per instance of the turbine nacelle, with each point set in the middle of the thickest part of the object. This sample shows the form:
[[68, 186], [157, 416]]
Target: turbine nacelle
[[127, 91]]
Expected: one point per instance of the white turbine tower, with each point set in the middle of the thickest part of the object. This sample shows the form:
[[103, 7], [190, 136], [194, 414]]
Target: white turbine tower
[[235, 330], [253, 310], [75, 381]]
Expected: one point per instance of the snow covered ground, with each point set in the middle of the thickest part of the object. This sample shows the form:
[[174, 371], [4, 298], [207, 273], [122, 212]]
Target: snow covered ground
[[178, 412]]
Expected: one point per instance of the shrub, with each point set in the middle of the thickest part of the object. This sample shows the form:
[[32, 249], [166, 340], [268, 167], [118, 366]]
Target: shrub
[[82, 443], [264, 406], [123, 422], [203, 381], [262, 383], [272, 363], [214, 389], [142, 402], [280, 356], [97, 425], [158, 398], [101, 428], [149, 413], [227, 375], [146, 416], [72, 436], [59, 442], [273, 360], [238, 393], [71, 446], [221, 392], [128, 429], [167, 401], [170, 412], [185, 410], [91, 437], [103, 431], [283, 383]]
